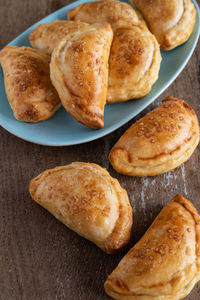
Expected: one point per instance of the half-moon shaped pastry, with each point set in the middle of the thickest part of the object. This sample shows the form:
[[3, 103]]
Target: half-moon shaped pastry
[[79, 72], [165, 263], [45, 37], [102, 11], [135, 58], [134, 63], [171, 21], [159, 142], [30, 92], [84, 197]]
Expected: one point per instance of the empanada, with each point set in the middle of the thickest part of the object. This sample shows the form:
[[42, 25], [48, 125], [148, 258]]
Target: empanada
[[165, 263], [79, 72], [30, 92], [88, 200], [45, 37], [102, 11], [171, 21], [135, 58], [160, 141], [134, 63]]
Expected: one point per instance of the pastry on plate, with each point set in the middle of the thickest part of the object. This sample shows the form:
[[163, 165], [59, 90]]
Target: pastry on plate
[[159, 142], [135, 58], [134, 63], [46, 36], [88, 200], [29, 90], [165, 263], [172, 22], [102, 11], [79, 72]]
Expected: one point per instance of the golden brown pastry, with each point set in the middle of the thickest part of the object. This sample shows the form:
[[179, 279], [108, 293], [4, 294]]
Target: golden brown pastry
[[160, 141], [88, 200], [171, 21], [79, 72], [134, 63], [102, 11], [165, 263], [135, 58], [30, 92], [45, 37]]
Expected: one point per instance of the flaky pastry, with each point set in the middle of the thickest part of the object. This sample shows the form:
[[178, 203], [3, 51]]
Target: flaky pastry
[[172, 22], [88, 200], [29, 90], [46, 36], [160, 141], [134, 63], [79, 72], [165, 263], [135, 58], [102, 11]]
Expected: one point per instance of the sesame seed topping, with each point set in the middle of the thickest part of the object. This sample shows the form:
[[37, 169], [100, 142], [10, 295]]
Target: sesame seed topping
[[153, 141]]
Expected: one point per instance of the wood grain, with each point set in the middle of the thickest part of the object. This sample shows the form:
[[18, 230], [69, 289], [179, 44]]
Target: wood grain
[[39, 257]]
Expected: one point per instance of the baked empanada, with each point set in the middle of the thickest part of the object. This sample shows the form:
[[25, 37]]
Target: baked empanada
[[160, 141], [88, 200], [46, 36], [79, 72], [30, 92], [102, 11], [171, 21], [135, 58], [165, 263], [134, 63]]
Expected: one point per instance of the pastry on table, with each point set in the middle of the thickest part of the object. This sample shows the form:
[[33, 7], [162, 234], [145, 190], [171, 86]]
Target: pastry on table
[[159, 142], [79, 72], [172, 22], [165, 263], [88, 200], [135, 58], [29, 90], [46, 36], [134, 63], [110, 11]]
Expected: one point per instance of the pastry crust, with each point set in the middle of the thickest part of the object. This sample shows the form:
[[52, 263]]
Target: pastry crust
[[102, 11], [172, 22], [135, 58], [84, 197], [30, 92], [45, 37], [134, 63], [165, 263], [79, 72], [159, 142]]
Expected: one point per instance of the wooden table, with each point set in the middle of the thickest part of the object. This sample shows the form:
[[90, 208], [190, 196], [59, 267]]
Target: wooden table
[[39, 257]]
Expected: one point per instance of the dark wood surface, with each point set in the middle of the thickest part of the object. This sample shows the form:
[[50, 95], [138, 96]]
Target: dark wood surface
[[39, 257]]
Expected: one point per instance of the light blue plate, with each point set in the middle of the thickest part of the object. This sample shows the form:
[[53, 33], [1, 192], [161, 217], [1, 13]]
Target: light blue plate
[[62, 129]]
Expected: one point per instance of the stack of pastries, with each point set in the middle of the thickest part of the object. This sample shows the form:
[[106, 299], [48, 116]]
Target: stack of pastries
[[107, 53]]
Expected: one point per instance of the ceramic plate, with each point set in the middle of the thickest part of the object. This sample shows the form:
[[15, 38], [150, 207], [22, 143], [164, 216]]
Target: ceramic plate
[[62, 129]]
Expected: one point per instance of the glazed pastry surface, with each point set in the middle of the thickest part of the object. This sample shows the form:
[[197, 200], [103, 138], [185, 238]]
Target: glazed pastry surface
[[88, 200], [102, 11], [172, 22], [161, 141], [29, 90], [134, 63], [165, 263], [79, 72], [135, 58], [45, 37]]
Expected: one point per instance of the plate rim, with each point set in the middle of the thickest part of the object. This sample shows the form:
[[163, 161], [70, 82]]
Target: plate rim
[[102, 132]]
